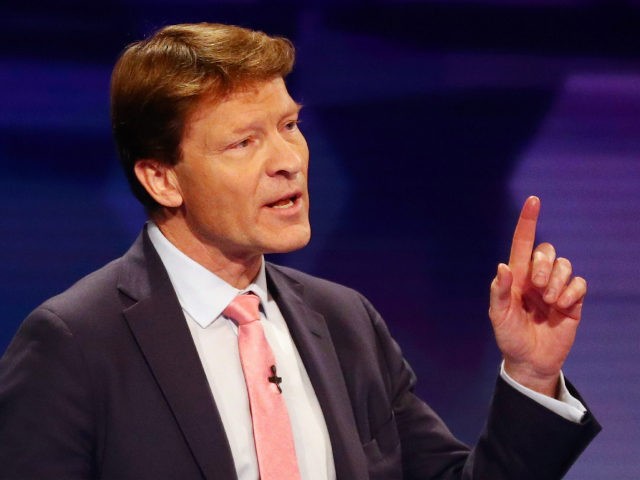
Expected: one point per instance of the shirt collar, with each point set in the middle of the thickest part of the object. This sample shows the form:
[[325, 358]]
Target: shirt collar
[[201, 293]]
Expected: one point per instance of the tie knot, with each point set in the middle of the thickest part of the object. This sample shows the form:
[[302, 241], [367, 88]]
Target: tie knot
[[243, 309]]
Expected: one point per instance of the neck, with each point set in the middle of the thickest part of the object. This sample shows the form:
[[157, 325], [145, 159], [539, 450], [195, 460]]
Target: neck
[[237, 270]]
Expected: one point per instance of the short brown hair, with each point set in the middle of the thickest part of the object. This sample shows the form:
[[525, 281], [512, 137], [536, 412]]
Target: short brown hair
[[157, 82]]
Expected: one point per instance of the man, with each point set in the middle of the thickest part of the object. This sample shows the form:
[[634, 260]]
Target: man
[[138, 370]]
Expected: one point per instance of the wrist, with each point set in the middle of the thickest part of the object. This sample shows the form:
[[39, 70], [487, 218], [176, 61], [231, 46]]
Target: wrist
[[546, 384]]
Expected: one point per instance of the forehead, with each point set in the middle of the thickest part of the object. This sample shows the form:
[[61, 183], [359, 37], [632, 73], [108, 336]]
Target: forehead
[[264, 96]]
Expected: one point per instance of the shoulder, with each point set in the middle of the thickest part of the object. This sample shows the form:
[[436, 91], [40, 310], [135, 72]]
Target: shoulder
[[106, 292], [359, 334], [94, 292], [305, 278], [89, 310], [316, 289], [88, 319], [50, 334], [343, 308]]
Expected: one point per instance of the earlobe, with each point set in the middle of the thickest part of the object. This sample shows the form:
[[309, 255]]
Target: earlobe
[[159, 180]]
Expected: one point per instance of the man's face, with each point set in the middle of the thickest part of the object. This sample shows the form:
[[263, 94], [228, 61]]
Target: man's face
[[243, 173]]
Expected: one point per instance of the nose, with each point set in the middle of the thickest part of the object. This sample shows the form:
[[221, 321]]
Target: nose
[[286, 156]]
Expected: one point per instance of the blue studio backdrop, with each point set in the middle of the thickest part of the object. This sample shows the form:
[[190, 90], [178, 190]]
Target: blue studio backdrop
[[429, 123]]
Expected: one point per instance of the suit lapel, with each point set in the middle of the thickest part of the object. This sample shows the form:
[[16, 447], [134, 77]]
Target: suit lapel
[[311, 336], [158, 324]]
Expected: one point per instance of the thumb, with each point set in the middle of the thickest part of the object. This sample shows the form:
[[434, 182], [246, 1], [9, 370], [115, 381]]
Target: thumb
[[500, 293]]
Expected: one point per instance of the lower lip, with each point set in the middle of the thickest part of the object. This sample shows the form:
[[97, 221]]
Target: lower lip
[[290, 210]]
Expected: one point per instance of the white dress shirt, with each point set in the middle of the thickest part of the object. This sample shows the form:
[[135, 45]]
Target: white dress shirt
[[566, 405], [203, 296]]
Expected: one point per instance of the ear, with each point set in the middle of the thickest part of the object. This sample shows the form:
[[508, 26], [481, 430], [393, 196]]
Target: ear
[[160, 181]]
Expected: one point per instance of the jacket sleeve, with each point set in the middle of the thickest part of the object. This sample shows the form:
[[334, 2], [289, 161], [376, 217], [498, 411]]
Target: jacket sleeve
[[521, 439], [46, 420]]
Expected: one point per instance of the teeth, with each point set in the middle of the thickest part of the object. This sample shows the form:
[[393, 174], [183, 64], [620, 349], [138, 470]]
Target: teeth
[[283, 203]]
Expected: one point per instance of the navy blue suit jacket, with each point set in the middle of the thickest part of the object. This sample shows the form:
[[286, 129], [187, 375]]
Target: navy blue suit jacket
[[104, 381]]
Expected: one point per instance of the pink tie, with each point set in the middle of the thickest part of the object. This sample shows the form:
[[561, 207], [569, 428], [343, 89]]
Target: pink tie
[[271, 426]]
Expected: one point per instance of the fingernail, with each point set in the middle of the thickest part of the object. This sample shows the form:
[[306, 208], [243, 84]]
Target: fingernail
[[550, 294]]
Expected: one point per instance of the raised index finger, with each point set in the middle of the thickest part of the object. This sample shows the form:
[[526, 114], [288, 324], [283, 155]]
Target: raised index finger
[[525, 234]]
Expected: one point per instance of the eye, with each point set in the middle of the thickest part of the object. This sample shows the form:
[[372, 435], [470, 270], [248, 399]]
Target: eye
[[241, 144], [292, 125]]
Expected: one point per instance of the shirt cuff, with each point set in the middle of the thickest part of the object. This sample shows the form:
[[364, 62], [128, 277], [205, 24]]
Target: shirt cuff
[[566, 405]]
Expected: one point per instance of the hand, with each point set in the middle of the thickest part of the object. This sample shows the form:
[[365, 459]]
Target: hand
[[535, 307]]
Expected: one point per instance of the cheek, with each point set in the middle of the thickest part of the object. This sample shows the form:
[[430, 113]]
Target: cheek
[[237, 201], [223, 193], [206, 200]]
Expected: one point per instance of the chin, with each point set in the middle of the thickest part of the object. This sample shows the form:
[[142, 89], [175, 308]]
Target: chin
[[290, 242]]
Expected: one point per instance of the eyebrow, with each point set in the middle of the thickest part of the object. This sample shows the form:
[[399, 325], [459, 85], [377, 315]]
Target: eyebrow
[[297, 107]]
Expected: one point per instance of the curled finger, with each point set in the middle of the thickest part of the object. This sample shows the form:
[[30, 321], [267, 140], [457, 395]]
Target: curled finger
[[558, 280], [542, 262], [573, 294]]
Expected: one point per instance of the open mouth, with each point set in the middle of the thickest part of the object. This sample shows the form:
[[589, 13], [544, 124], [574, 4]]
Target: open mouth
[[286, 202]]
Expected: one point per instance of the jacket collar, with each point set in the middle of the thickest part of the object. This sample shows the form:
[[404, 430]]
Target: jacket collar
[[158, 324]]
